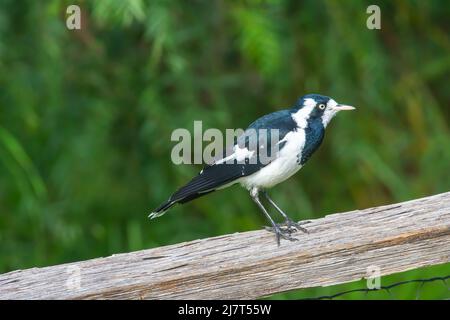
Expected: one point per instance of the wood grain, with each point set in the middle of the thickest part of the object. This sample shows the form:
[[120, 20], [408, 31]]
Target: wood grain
[[248, 265]]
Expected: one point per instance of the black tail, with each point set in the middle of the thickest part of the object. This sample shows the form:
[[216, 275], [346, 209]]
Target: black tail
[[210, 179], [172, 201]]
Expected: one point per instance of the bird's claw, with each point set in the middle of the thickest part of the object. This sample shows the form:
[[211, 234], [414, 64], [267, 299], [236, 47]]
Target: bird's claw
[[285, 236], [282, 232], [282, 228], [290, 224]]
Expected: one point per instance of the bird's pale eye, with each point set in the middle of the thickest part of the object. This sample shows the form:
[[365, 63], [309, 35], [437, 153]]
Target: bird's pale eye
[[321, 106]]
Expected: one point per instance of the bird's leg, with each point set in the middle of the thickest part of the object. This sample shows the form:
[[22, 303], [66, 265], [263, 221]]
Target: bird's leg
[[289, 223], [278, 232]]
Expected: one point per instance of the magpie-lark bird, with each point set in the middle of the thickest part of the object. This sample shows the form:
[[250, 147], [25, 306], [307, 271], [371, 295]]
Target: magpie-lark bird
[[300, 129]]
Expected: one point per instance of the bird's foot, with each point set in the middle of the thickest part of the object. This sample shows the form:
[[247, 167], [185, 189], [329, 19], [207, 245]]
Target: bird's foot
[[282, 228], [292, 225], [289, 226], [282, 233], [285, 229]]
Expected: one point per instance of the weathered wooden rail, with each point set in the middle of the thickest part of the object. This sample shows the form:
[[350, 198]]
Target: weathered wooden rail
[[338, 249]]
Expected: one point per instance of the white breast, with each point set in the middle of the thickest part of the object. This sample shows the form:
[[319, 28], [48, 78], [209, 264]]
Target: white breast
[[283, 167]]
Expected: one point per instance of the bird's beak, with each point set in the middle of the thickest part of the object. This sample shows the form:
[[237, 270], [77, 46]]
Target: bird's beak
[[342, 107]]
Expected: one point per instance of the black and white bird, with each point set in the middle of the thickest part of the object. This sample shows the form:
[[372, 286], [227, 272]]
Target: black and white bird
[[300, 131]]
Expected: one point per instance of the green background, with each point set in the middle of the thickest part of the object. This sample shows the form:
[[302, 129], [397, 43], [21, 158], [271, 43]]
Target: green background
[[86, 117]]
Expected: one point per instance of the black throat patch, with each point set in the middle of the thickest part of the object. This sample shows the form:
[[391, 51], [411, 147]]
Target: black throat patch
[[314, 134]]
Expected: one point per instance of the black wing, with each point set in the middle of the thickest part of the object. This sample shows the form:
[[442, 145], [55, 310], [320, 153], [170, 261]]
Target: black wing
[[223, 172]]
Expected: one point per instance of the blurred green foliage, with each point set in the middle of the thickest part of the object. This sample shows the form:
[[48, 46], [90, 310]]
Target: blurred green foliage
[[86, 116]]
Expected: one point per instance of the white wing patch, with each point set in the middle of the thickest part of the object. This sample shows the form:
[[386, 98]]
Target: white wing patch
[[239, 154], [242, 153]]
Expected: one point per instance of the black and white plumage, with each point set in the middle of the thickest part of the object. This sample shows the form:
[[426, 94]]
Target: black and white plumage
[[300, 131]]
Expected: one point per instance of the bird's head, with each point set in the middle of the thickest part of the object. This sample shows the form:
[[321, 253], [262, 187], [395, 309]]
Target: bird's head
[[317, 107]]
